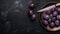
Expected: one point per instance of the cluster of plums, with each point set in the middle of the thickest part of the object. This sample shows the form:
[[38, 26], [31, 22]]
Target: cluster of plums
[[52, 17], [31, 12]]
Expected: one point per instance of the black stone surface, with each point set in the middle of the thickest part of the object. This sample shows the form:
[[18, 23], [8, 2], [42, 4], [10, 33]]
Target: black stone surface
[[14, 19]]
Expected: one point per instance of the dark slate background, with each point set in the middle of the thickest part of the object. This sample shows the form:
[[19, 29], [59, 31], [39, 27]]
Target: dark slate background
[[14, 18]]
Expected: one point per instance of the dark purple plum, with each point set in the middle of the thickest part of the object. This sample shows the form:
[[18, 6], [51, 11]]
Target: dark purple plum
[[58, 9], [58, 17], [46, 16], [52, 9], [45, 22], [52, 24], [54, 18], [32, 5], [33, 16], [55, 13], [30, 12], [57, 22], [49, 20], [48, 12]]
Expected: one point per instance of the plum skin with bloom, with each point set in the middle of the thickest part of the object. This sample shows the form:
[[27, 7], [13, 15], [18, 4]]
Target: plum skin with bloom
[[52, 17]]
